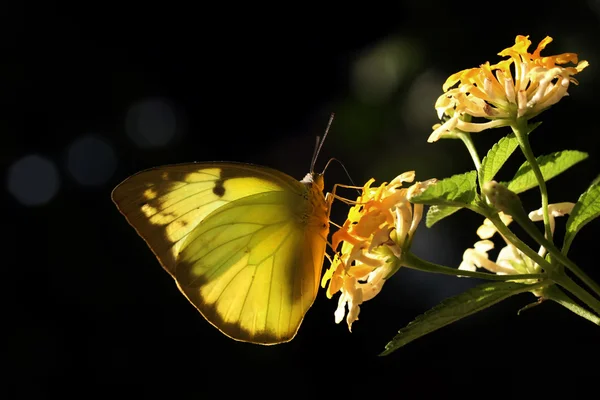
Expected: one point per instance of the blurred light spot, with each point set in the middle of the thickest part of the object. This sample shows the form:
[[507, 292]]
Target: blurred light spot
[[151, 123], [377, 74], [418, 109], [91, 160], [33, 180]]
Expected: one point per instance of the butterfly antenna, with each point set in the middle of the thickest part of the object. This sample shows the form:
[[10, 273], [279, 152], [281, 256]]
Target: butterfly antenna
[[314, 156], [343, 167], [320, 144]]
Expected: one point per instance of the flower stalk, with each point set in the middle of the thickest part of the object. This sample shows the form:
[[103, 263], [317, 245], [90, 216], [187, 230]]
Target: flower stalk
[[468, 142], [413, 262], [520, 130]]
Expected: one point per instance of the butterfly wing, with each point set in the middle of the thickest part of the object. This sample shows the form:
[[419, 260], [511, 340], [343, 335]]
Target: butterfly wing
[[244, 243]]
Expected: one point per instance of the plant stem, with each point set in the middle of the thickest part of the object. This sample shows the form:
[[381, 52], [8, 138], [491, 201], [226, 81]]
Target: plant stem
[[466, 139], [518, 243], [555, 294], [520, 130], [531, 229], [411, 261], [566, 282]]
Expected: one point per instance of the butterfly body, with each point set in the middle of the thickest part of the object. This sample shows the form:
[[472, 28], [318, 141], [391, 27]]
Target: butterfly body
[[244, 243]]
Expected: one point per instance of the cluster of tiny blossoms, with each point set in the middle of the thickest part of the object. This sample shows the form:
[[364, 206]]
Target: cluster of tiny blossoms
[[492, 92], [378, 228], [510, 260]]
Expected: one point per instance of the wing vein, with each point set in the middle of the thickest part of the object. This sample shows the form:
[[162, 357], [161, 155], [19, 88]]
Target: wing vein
[[218, 247], [275, 254]]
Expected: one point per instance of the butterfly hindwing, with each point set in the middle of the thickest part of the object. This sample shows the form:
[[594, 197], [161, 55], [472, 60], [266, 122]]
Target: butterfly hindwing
[[249, 268], [244, 243]]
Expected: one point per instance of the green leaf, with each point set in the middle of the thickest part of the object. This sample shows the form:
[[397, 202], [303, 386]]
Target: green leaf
[[437, 213], [498, 154], [496, 157], [586, 209], [550, 165], [458, 190], [455, 308]]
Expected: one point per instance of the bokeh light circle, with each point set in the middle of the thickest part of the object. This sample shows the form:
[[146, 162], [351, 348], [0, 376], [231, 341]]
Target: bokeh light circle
[[151, 123], [91, 160], [33, 180]]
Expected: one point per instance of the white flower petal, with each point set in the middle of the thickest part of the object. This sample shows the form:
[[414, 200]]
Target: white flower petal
[[483, 246]]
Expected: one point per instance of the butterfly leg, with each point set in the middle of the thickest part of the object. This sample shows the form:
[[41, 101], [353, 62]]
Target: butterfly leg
[[340, 198]]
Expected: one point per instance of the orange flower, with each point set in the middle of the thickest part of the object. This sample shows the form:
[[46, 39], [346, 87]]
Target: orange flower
[[494, 93], [378, 230]]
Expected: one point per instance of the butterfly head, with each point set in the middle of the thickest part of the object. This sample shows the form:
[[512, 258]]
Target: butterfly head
[[314, 179]]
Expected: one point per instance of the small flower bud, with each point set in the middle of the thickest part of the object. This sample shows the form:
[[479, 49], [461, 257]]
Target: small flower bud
[[502, 199]]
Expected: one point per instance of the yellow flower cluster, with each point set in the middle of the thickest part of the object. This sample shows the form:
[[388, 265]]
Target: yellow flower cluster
[[492, 92], [379, 227]]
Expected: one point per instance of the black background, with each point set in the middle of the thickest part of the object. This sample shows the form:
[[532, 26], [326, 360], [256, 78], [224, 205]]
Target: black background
[[88, 305]]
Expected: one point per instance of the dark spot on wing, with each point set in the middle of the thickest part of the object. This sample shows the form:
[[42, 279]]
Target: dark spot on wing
[[219, 189], [180, 223]]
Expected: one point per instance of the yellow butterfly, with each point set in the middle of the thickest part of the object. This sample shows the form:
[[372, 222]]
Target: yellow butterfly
[[244, 243]]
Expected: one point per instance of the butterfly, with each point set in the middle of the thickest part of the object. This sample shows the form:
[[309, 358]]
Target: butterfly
[[244, 243]]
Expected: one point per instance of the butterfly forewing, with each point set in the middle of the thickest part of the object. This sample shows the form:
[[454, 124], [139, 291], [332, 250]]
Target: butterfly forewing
[[164, 204]]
